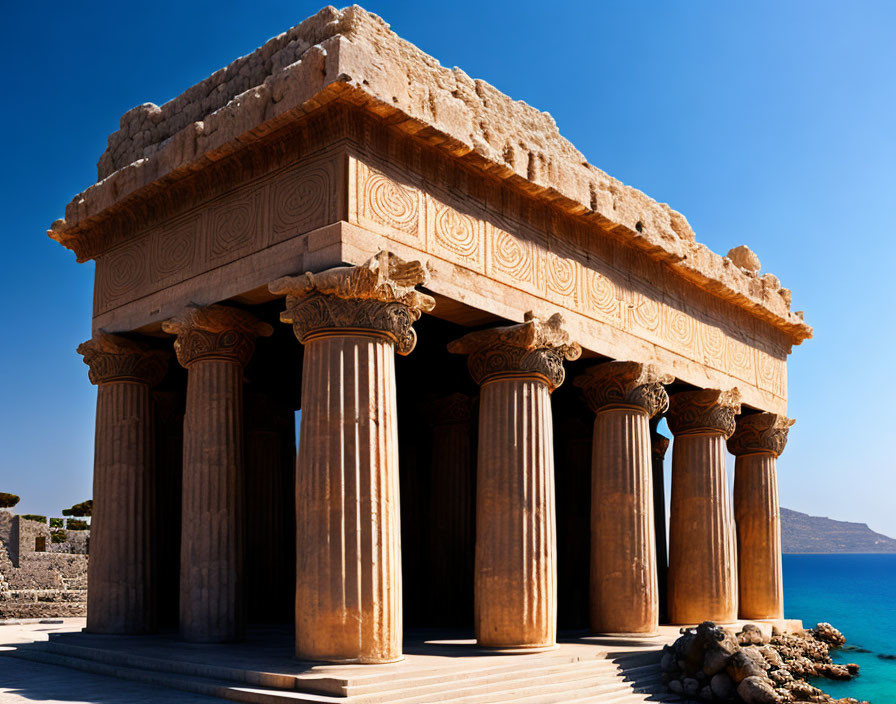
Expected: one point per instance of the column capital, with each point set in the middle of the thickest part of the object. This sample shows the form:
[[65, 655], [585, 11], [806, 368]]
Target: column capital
[[378, 295], [629, 384], [453, 409], [659, 443], [703, 410], [215, 332], [760, 433], [115, 358], [534, 348]]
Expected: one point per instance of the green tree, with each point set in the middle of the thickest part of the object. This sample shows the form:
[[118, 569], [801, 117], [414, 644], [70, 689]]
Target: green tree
[[85, 508], [8, 500]]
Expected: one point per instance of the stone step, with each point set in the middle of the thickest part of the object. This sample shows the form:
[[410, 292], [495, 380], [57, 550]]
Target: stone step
[[509, 672], [342, 684], [512, 689], [209, 687], [546, 684]]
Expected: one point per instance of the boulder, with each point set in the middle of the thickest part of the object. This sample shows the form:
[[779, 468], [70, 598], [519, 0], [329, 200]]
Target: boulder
[[750, 634], [722, 685], [826, 633], [757, 690], [745, 258]]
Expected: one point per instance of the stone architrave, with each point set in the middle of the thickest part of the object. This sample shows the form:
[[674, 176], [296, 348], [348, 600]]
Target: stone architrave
[[517, 367], [121, 571], [214, 344], [351, 321], [702, 549], [624, 397], [659, 444], [756, 443]]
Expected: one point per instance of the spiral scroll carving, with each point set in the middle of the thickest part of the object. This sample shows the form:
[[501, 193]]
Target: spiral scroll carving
[[704, 410], [625, 384], [215, 332], [378, 295], [532, 348], [760, 432], [115, 358]]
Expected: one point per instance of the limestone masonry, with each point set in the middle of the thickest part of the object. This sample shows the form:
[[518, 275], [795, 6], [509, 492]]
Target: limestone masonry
[[442, 285]]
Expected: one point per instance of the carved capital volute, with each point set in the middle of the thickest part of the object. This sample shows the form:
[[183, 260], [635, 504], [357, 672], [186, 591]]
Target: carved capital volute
[[625, 384], [377, 296], [703, 411], [760, 433], [215, 332], [115, 358], [659, 443], [534, 348]]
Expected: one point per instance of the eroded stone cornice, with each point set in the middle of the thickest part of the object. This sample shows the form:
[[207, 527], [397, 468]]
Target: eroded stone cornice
[[352, 56]]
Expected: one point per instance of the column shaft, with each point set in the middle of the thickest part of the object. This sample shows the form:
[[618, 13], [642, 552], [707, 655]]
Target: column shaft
[[452, 524], [515, 580], [348, 581], [659, 445], [121, 598], [623, 554], [702, 553], [758, 518], [211, 584]]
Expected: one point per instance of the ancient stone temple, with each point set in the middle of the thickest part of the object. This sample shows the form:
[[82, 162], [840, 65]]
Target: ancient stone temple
[[481, 331]]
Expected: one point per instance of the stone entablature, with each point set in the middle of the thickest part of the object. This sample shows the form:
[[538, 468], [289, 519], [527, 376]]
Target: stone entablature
[[486, 245], [351, 57]]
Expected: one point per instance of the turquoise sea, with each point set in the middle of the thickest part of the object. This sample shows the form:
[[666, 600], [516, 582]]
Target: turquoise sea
[[857, 594]]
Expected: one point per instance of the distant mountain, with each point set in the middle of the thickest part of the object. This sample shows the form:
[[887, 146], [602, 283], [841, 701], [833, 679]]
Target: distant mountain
[[801, 532]]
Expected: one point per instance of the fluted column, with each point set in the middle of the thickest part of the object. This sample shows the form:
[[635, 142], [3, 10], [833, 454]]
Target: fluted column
[[121, 598], [624, 396], [351, 321], [452, 519], [270, 507], [515, 572], [702, 550], [214, 344], [659, 444], [757, 442]]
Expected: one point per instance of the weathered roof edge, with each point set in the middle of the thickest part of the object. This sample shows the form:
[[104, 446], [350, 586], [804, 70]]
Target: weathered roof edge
[[353, 55]]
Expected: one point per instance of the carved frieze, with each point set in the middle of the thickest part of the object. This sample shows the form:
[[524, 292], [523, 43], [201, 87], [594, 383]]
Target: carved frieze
[[523, 247], [760, 432], [215, 332], [704, 410], [249, 218], [115, 358], [532, 348], [378, 295], [613, 384]]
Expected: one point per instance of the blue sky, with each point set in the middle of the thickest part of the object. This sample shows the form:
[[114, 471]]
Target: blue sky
[[765, 123]]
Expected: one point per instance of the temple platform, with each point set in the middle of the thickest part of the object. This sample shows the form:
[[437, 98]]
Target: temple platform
[[438, 667]]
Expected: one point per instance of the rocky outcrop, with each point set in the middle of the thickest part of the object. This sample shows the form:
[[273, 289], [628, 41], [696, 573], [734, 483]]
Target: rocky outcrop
[[712, 664]]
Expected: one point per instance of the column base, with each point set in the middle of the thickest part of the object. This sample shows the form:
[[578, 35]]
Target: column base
[[519, 649], [626, 634], [350, 661]]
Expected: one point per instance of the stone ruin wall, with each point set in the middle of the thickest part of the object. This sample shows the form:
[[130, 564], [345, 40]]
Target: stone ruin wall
[[41, 584]]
